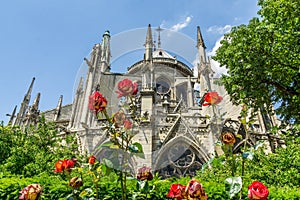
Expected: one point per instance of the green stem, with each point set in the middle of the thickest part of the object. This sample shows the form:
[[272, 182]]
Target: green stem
[[232, 161], [123, 180], [244, 149], [243, 173], [107, 117]]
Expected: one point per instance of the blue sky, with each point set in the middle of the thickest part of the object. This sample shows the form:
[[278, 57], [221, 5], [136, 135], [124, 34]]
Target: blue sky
[[49, 39]]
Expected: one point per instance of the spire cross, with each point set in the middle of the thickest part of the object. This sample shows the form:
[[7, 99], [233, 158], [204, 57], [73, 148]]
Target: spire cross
[[159, 30]]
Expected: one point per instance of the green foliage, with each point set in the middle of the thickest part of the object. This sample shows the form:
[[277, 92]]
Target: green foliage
[[281, 168], [33, 150], [53, 186], [279, 171], [56, 188], [283, 193], [263, 59]]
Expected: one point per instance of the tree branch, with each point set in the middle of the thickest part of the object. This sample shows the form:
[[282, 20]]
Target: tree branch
[[281, 88]]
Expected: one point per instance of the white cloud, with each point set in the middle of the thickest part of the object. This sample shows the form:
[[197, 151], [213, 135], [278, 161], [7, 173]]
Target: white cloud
[[181, 25], [219, 29], [218, 71]]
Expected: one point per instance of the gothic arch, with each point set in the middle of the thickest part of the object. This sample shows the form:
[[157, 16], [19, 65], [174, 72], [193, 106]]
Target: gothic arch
[[179, 157]]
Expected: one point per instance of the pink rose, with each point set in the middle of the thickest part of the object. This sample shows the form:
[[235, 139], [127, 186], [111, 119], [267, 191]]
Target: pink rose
[[144, 173], [195, 190], [31, 192], [128, 124], [126, 88]]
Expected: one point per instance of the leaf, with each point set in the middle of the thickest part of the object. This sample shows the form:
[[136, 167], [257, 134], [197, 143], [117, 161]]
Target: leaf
[[233, 185], [87, 192], [108, 163], [114, 146], [138, 146], [239, 136], [140, 155], [106, 144], [137, 150]]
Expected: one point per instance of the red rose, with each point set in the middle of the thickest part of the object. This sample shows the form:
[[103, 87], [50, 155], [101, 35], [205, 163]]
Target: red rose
[[144, 173], [62, 165], [97, 102], [92, 160], [195, 190], [177, 191], [257, 190], [212, 98], [59, 166], [126, 87], [68, 164]]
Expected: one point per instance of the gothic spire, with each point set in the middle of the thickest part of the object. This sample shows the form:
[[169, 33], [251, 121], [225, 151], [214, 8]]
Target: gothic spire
[[148, 44], [200, 41], [36, 102], [105, 56], [24, 104], [58, 108], [12, 116]]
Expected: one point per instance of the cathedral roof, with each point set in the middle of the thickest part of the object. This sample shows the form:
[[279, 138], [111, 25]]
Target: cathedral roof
[[160, 53]]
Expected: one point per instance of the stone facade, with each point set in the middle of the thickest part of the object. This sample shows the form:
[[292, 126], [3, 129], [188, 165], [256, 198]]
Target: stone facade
[[178, 135]]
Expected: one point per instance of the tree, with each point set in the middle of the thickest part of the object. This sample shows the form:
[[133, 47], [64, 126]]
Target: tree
[[34, 150], [263, 60]]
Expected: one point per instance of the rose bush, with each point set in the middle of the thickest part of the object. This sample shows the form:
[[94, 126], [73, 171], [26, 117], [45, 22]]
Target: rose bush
[[120, 128]]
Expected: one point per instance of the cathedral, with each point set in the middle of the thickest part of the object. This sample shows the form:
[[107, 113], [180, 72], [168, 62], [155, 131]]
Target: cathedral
[[178, 134]]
